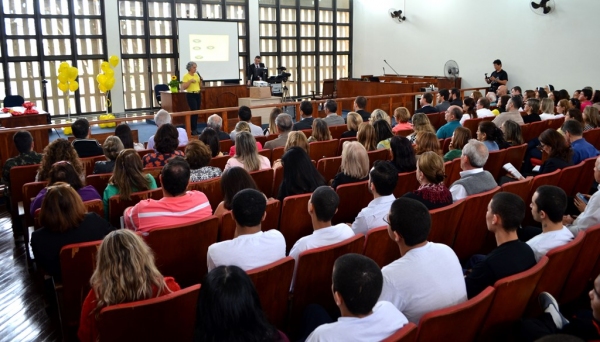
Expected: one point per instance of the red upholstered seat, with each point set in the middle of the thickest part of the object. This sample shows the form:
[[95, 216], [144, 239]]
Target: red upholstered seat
[[99, 181], [353, 198], [592, 136], [227, 224], [211, 188], [167, 318], [264, 180], [19, 176], [494, 163], [569, 177], [30, 191], [586, 178], [329, 167], [265, 153], [323, 149], [225, 145], [472, 125], [453, 174], [273, 283], [581, 272], [155, 172], [407, 182], [295, 221], [89, 163], [515, 155], [462, 320], [381, 154], [336, 131], [519, 187], [408, 333], [380, 247], [276, 154], [219, 162], [116, 205], [444, 223]]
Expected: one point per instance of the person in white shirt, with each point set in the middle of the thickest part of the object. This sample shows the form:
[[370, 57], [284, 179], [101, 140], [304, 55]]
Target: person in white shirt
[[245, 114], [428, 276], [382, 182], [473, 178], [590, 212], [163, 117], [483, 108], [322, 206], [251, 248], [357, 283]]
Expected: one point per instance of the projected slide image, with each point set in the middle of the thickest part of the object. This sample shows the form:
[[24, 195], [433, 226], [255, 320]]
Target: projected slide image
[[209, 48]]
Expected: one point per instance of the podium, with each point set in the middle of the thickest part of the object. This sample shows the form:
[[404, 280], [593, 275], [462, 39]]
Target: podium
[[40, 137], [175, 103]]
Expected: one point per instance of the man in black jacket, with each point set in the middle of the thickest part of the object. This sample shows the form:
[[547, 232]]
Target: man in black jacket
[[255, 71], [306, 111]]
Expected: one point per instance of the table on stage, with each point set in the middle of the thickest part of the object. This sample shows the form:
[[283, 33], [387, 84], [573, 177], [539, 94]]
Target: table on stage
[[40, 137]]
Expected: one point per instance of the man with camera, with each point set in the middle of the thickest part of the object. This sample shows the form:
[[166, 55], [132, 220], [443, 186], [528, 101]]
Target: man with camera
[[497, 78]]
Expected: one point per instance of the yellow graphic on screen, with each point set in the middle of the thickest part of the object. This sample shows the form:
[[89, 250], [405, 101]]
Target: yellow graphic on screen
[[209, 48]]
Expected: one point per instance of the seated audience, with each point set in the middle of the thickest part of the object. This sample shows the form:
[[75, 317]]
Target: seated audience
[[452, 116], [246, 154], [403, 155], [306, 111], [382, 181], [532, 108], [585, 97], [320, 131], [548, 205], [442, 100], [295, 139], [511, 113], [73, 225], [215, 122], [505, 212], [359, 107], [491, 96], [512, 133], [547, 108], [590, 211], [425, 102], [163, 117], [284, 127], [468, 110], [561, 108], [27, 156], [272, 128], [245, 114], [367, 137], [455, 97], [357, 283], [596, 99], [432, 191], [63, 171], [125, 272], [229, 309], [300, 176], [251, 248], [210, 138], [427, 142], [84, 146], [58, 150], [384, 133], [198, 155], [460, 138], [420, 124], [476, 95], [581, 148], [112, 147], [402, 116], [242, 126], [491, 136], [503, 105], [428, 275], [483, 108], [127, 178], [353, 120], [165, 144], [380, 114], [564, 94], [177, 206], [233, 180], [355, 165], [560, 154], [473, 178], [331, 116], [575, 104], [123, 132], [591, 118]]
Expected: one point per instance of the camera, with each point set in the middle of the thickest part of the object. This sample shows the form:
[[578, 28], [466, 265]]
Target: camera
[[486, 76]]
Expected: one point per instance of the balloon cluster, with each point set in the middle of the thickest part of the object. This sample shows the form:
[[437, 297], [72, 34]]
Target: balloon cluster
[[106, 79], [66, 77]]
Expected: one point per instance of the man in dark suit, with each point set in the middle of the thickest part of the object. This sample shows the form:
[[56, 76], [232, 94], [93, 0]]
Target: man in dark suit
[[455, 97], [255, 71], [426, 106], [306, 111], [359, 106]]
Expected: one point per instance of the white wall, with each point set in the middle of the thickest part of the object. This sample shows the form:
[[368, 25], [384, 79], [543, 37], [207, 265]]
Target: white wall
[[560, 48], [111, 9]]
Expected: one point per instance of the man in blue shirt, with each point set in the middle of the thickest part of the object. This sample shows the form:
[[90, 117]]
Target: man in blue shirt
[[581, 148], [453, 115]]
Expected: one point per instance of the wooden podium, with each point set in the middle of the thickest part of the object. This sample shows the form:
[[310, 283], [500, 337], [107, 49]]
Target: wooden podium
[[40, 137]]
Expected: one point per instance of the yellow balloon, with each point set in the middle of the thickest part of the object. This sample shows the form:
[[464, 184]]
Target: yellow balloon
[[63, 77], [113, 60], [73, 86], [110, 83], [63, 66], [104, 66], [63, 86], [101, 78], [102, 88], [73, 73], [109, 73]]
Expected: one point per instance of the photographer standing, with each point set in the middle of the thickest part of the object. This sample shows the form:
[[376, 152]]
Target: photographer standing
[[499, 77]]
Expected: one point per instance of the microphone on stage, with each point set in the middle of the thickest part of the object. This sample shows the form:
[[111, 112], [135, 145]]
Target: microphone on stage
[[199, 76]]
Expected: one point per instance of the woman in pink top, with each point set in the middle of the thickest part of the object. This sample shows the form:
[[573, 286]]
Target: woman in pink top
[[402, 116], [246, 154]]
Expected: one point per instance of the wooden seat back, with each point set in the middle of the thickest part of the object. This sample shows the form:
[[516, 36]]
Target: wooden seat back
[[225, 145], [211, 188], [276, 154], [227, 222], [581, 272], [593, 137], [407, 182], [19, 176], [295, 222], [444, 223], [264, 180], [494, 162], [155, 172], [30, 191], [515, 155], [341, 144], [353, 198], [519, 187], [380, 154], [89, 163], [219, 162], [569, 177], [586, 178], [380, 247], [99, 181], [116, 205], [323, 149], [556, 123], [329, 167], [337, 130], [472, 125]]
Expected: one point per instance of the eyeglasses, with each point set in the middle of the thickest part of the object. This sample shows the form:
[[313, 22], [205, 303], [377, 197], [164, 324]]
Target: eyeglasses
[[386, 219], [541, 146]]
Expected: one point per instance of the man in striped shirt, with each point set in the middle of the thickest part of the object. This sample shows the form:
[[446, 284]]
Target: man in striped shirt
[[177, 206]]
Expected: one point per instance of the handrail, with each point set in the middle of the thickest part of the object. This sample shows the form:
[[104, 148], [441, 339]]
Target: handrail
[[222, 111]]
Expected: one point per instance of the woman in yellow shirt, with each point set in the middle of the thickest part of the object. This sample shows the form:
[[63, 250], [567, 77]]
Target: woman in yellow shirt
[[192, 83]]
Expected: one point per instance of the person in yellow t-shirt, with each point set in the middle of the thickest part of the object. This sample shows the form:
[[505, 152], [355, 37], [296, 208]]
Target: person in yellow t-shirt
[[192, 83]]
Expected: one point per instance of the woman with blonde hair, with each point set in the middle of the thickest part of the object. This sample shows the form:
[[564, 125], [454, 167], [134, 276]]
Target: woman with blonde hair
[[427, 141], [591, 118], [547, 107], [562, 107], [111, 147], [64, 221], [59, 150], [380, 114], [355, 164], [272, 129], [420, 124], [354, 120], [125, 272], [367, 136], [460, 138], [198, 155], [402, 116], [476, 95], [512, 133], [243, 126], [127, 178], [432, 191], [295, 139], [246, 154], [320, 131]]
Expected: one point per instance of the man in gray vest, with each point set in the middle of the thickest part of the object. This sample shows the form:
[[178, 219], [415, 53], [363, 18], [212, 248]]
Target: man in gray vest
[[473, 178]]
